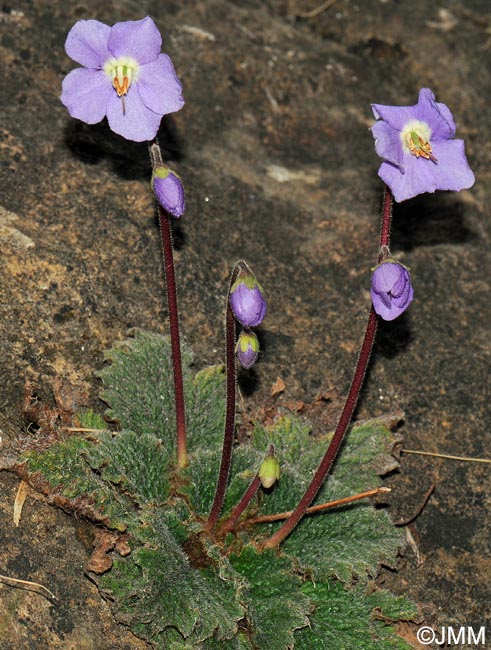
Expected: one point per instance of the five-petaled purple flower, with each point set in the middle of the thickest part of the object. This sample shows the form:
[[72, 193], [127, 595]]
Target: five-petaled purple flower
[[124, 77], [169, 191], [419, 152], [247, 301], [391, 290]]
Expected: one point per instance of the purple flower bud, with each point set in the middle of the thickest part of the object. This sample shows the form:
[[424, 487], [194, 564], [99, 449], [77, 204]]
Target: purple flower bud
[[391, 290], [247, 349], [247, 301], [168, 189]]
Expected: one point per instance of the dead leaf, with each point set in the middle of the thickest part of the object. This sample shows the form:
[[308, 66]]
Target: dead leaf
[[447, 21], [295, 407], [277, 387], [122, 546], [20, 498], [414, 545], [101, 561]]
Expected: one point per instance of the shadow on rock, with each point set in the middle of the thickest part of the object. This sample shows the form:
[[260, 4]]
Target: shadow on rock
[[92, 144]]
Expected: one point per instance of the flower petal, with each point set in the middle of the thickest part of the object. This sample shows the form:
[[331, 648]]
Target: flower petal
[[411, 183], [158, 86], [86, 94], [405, 298], [391, 290], [381, 302], [86, 43], [387, 275], [248, 304], [452, 171], [387, 142], [136, 122], [437, 116], [395, 116], [139, 39]]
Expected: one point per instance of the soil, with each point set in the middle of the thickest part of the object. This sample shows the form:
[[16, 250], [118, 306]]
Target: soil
[[274, 148]]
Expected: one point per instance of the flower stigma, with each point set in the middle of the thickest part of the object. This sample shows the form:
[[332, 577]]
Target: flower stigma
[[415, 138]]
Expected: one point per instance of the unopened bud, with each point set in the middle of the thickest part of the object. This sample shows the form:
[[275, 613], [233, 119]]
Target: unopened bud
[[391, 290], [168, 189], [269, 472], [247, 300], [247, 349]]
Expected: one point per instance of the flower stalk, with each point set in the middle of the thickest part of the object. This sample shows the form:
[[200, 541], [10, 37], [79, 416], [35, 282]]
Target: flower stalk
[[350, 403], [247, 497], [229, 524], [269, 519], [171, 290], [385, 224], [229, 428]]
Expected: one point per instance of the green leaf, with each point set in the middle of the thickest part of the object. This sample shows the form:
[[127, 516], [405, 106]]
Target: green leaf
[[89, 419], [239, 642], [205, 404], [178, 589], [62, 471], [139, 464], [273, 598], [156, 587], [139, 388], [205, 409], [350, 618], [345, 542]]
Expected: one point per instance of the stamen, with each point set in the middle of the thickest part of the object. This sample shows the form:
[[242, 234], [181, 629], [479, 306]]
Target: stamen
[[121, 86], [418, 146], [122, 72]]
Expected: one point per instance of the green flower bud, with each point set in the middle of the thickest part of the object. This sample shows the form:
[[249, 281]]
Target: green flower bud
[[269, 472]]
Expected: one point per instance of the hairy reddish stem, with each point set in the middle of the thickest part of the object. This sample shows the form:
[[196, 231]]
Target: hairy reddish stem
[[170, 283], [349, 405], [247, 497], [249, 494], [386, 219], [171, 290], [229, 428]]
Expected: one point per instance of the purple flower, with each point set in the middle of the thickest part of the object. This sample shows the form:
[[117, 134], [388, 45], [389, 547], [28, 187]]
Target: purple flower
[[247, 301], [247, 349], [169, 191], [124, 77], [391, 290], [419, 152]]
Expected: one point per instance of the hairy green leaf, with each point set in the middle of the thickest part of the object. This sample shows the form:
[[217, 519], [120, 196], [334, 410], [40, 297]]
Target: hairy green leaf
[[62, 470], [273, 598], [139, 464], [182, 590], [163, 584], [347, 541], [139, 389], [350, 618]]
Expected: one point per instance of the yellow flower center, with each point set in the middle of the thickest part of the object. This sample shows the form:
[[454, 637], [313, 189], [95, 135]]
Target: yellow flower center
[[415, 137], [122, 72]]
